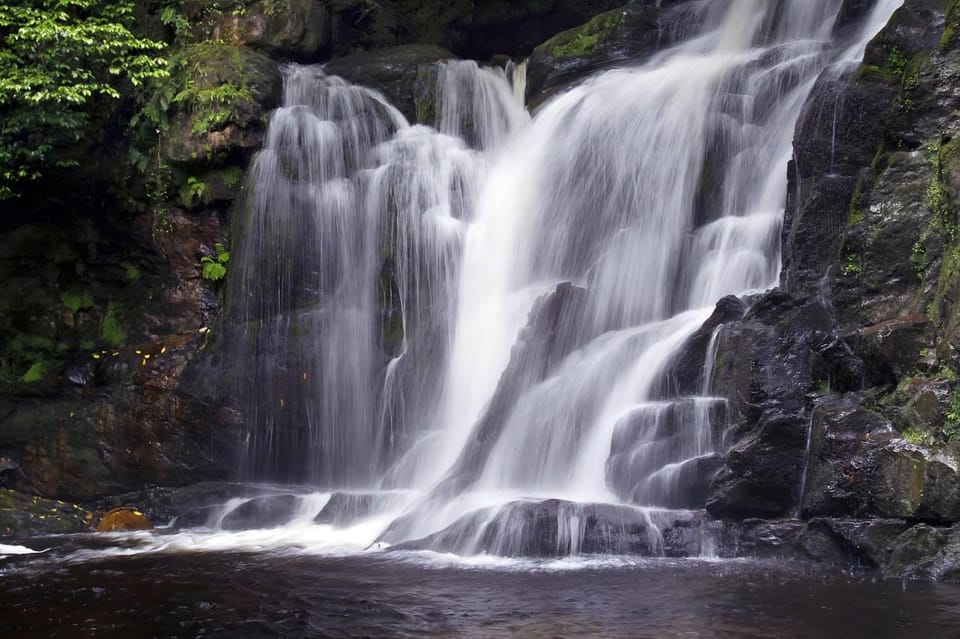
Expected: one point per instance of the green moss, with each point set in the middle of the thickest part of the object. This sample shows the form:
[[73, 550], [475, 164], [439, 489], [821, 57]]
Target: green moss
[[852, 266], [582, 44], [855, 212], [951, 24], [231, 176], [214, 85], [77, 300], [919, 258], [896, 61], [36, 372], [915, 436], [131, 272], [585, 39], [111, 330]]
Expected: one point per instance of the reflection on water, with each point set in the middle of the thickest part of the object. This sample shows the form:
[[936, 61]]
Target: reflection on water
[[418, 595]]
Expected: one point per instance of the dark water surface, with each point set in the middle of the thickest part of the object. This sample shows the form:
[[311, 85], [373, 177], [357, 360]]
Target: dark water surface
[[263, 595]]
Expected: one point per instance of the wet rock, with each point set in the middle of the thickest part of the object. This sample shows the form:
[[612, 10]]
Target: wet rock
[[840, 542], [344, 509], [123, 520], [626, 34], [556, 528], [656, 455], [764, 539], [297, 28], [852, 12], [142, 430], [393, 72], [871, 540], [926, 552], [837, 134], [515, 28], [859, 467], [23, 514], [761, 476], [202, 504], [895, 349], [208, 131], [262, 512], [686, 375]]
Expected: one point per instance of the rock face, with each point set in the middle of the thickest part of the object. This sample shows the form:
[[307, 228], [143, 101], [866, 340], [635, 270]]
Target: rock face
[[297, 28], [22, 514], [393, 72], [841, 386], [623, 35]]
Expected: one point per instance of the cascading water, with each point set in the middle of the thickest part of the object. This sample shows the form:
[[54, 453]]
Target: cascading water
[[485, 312]]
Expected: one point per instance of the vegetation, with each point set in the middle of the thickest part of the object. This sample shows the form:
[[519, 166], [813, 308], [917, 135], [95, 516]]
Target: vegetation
[[215, 268], [60, 60], [584, 40]]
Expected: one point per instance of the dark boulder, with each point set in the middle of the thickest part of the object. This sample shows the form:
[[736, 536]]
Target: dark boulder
[[761, 476], [23, 514], [626, 35], [926, 552], [859, 467], [269, 511], [344, 509], [393, 72], [687, 374]]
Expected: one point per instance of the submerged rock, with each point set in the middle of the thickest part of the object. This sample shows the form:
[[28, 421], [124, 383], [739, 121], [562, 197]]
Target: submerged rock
[[344, 509], [262, 512]]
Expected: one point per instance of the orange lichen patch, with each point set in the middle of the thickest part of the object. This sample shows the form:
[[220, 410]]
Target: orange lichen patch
[[122, 519]]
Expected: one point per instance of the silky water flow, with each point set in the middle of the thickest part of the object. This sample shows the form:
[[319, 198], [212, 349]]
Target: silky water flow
[[464, 334]]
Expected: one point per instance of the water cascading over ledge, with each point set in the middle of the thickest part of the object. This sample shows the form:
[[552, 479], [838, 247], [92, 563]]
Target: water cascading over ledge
[[491, 314], [349, 245]]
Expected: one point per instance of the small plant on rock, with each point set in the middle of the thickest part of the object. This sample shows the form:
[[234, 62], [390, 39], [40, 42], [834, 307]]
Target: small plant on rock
[[215, 268]]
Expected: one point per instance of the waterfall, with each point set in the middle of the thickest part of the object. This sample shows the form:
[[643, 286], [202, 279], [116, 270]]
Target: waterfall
[[484, 309]]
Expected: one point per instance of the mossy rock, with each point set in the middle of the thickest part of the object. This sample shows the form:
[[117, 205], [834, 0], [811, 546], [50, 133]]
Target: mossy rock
[[223, 92], [123, 520], [23, 514], [215, 188], [279, 28], [951, 31], [627, 34]]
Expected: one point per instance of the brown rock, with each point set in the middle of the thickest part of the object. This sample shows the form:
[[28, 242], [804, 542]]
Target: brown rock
[[124, 519]]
